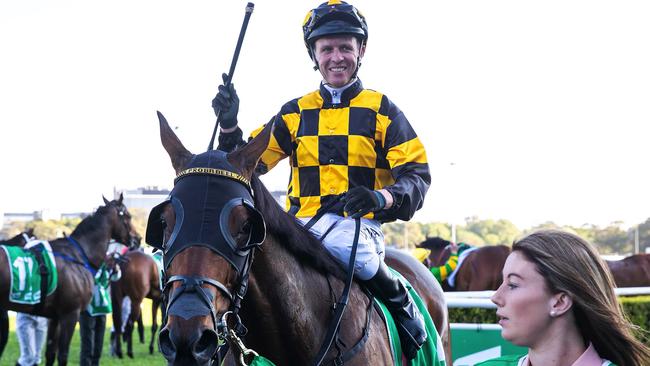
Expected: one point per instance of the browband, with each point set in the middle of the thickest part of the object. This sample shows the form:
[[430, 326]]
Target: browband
[[214, 171]]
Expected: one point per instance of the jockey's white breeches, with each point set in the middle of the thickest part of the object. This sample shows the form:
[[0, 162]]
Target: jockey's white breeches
[[339, 242]]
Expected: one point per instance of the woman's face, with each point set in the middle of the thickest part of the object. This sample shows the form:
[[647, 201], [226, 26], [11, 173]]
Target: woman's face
[[523, 301]]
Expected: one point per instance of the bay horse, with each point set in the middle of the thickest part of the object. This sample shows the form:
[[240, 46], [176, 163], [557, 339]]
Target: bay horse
[[140, 279], [20, 239], [75, 256], [479, 271], [632, 271], [209, 230]]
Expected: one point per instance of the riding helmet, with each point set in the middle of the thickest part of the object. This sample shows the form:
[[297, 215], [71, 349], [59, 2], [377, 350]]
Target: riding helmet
[[333, 17]]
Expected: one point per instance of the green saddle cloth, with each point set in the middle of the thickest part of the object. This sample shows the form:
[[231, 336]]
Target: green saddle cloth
[[432, 352], [25, 273]]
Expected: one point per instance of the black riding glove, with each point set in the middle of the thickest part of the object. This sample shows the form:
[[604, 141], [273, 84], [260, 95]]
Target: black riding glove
[[359, 201], [227, 102]]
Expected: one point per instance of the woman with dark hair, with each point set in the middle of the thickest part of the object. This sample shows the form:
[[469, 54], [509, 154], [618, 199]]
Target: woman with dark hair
[[557, 298]]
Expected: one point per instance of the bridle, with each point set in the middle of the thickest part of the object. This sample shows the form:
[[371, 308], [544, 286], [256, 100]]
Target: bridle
[[208, 172], [124, 215], [190, 230]]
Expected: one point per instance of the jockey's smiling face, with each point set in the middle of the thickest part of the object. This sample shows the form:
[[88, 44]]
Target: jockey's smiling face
[[338, 58]]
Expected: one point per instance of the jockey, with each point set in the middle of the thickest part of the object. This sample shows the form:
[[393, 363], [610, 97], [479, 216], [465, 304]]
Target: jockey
[[437, 244], [343, 138], [442, 272]]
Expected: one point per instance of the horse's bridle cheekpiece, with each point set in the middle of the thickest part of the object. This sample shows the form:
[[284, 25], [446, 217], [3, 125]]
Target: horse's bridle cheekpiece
[[203, 198]]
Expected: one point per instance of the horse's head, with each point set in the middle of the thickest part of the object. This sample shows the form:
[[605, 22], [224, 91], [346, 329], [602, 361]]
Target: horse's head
[[440, 250], [207, 229], [122, 229]]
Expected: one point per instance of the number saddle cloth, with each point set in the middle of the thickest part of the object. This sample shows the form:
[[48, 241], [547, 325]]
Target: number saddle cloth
[[27, 266]]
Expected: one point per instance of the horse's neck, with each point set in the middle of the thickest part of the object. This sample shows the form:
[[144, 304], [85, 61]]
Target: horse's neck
[[94, 245], [292, 301]]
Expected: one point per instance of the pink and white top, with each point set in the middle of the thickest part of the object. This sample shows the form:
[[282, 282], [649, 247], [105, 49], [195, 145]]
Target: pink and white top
[[588, 358]]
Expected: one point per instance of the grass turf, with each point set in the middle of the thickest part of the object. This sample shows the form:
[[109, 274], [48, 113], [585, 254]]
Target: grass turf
[[140, 351]]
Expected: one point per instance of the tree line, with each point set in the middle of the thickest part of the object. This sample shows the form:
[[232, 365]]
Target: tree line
[[611, 239]]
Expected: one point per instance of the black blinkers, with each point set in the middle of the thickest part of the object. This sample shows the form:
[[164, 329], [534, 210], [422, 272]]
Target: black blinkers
[[203, 199]]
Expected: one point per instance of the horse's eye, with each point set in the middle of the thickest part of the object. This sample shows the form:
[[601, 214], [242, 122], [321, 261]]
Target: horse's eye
[[246, 228], [163, 222], [244, 232]]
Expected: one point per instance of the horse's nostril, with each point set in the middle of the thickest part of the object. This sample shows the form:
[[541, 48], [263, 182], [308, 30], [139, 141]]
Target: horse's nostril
[[165, 345], [205, 347]]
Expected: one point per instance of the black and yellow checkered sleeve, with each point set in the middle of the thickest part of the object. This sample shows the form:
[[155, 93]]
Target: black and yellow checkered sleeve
[[407, 159], [281, 142]]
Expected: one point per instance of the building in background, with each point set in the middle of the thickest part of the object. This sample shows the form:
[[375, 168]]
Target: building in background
[[144, 198]]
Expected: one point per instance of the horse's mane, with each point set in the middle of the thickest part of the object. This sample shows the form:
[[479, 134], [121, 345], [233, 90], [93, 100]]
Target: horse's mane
[[295, 238], [434, 243], [90, 223]]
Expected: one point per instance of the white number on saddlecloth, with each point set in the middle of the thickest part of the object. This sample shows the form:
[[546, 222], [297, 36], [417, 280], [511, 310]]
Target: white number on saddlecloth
[[24, 265]]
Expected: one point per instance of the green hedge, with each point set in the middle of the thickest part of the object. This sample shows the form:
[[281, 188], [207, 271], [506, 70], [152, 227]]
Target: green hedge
[[637, 309]]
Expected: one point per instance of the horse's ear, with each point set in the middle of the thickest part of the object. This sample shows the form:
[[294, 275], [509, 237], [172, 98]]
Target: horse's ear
[[179, 155], [121, 198], [248, 156], [106, 202]]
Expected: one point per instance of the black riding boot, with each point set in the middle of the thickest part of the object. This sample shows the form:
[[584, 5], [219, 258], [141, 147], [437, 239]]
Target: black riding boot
[[410, 323]]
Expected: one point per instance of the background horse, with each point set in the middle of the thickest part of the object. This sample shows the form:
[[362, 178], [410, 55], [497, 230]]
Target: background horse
[[75, 281], [18, 241], [632, 271], [140, 279], [293, 282], [480, 270], [21, 239]]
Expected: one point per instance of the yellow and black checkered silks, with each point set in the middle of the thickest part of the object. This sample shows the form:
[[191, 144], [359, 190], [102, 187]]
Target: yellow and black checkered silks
[[365, 140]]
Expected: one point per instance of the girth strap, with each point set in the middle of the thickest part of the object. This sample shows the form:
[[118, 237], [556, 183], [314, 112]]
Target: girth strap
[[342, 359], [38, 254]]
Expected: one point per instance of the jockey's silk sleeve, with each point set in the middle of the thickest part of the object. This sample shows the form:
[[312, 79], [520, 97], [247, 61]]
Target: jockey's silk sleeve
[[441, 273]]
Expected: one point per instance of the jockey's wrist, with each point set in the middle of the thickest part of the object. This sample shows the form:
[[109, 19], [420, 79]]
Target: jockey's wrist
[[229, 129], [380, 199], [388, 198]]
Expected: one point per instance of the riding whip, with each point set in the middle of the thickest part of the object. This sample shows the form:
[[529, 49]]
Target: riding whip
[[233, 63]]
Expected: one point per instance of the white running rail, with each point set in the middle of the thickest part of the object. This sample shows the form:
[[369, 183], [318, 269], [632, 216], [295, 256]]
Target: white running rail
[[481, 299]]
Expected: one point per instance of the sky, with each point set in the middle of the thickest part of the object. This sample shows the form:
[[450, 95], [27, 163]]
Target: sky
[[529, 111]]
